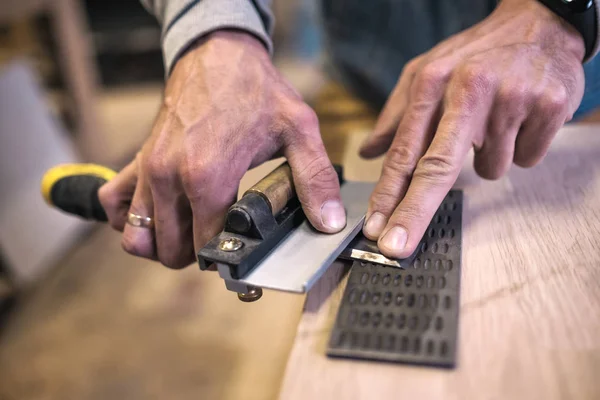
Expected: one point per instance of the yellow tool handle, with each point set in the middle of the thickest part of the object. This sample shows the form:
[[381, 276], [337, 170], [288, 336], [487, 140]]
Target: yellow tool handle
[[73, 188]]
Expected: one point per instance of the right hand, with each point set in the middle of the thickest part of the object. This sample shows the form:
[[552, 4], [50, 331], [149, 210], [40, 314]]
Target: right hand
[[226, 109]]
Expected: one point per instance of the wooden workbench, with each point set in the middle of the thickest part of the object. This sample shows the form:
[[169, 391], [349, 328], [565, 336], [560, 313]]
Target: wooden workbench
[[530, 297]]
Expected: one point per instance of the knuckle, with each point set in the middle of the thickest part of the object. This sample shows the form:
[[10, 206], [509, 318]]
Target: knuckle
[[160, 170], [319, 173], [108, 197], [554, 101], [432, 75], [305, 117], [412, 212], [212, 178], [476, 78], [513, 96], [385, 199], [300, 124], [436, 168], [195, 176], [413, 65], [400, 162]]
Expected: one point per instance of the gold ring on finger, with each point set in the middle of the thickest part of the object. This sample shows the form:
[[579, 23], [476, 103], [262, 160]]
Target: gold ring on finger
[[140, 221]]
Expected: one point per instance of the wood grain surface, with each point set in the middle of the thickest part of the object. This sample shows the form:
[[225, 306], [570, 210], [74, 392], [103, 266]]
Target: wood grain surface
[[530, 292]]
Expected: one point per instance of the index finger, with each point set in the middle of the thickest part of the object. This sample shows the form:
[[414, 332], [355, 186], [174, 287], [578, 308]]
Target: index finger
[[434, 175]]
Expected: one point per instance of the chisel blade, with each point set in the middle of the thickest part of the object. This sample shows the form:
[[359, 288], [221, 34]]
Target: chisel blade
[[305, 254], [363, 249]]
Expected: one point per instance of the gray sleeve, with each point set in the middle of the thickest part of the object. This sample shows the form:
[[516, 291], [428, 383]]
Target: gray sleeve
[[183, 21]]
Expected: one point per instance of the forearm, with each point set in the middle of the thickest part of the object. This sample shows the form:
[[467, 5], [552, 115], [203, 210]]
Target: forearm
[[184, 21]]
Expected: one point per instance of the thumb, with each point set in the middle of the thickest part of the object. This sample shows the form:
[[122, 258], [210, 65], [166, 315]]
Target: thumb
[[315, 179]]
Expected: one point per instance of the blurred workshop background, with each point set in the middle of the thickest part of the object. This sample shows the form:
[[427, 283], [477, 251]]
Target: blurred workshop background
[[81, 80], [79, 318]]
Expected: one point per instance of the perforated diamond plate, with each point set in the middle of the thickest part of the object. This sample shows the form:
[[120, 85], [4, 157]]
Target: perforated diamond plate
[[407, 315]]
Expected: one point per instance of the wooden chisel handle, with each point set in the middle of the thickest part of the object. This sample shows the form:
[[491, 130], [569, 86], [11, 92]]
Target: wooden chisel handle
[[277, 188]]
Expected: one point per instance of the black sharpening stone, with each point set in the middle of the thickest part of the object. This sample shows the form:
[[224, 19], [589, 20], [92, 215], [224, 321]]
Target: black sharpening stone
[[406, 315]]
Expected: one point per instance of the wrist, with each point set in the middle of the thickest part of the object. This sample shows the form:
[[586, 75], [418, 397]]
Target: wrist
[[550, 29], [231, 37], [223, 43]]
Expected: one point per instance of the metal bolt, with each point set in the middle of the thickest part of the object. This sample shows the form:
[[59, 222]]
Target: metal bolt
[[231, 244], [254, 293]]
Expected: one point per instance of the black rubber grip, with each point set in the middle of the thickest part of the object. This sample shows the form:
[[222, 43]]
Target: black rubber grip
[[406, 315], [78, 194]]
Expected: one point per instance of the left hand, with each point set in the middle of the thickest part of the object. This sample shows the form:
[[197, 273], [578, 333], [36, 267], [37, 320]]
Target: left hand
[[504, 86]]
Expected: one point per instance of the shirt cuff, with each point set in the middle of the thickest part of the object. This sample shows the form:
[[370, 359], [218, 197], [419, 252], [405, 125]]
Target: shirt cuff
[[207, 16]]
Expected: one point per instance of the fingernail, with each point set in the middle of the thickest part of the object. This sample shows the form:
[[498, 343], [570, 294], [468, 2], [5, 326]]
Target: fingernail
[[333, 215], [375, 225], [395, 239]]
